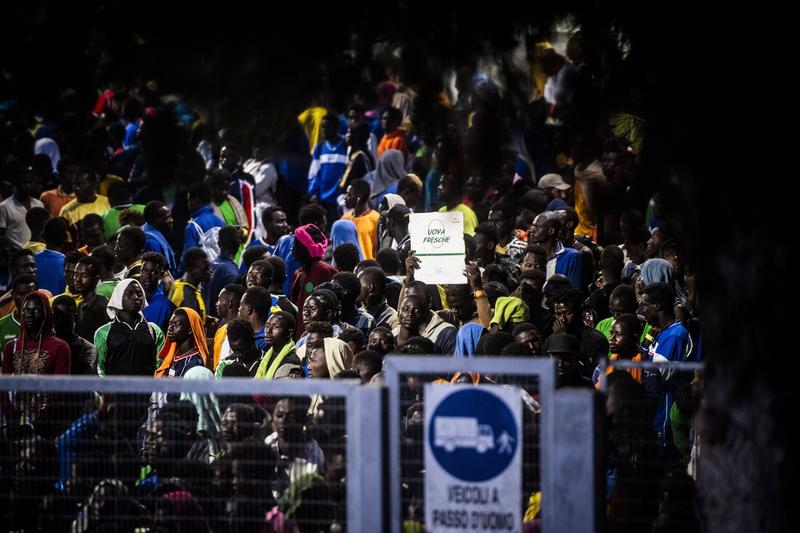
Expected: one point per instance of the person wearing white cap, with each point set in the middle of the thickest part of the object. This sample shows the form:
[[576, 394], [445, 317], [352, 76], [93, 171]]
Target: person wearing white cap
[[555, 188]]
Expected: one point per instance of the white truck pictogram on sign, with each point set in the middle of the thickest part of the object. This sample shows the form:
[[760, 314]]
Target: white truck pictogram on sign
[[463, 432]]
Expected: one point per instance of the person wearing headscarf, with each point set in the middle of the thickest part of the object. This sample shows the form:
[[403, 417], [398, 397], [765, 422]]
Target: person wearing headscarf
[[179, 511], [128, 345], [329, 359], [209, 416], [36, 350], [659, 270], [391, 169], [308, 249], [49, 148], [345, 232], [186, 345]]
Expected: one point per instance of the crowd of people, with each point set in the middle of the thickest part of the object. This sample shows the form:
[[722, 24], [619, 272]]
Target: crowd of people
[[256, 259]]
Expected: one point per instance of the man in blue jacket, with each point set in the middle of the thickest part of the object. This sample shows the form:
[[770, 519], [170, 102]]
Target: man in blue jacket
[[560, 259]]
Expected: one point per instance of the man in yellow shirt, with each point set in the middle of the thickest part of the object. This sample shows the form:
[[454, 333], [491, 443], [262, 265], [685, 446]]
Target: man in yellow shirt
[[365, 219], [451, 192], [86, 200]]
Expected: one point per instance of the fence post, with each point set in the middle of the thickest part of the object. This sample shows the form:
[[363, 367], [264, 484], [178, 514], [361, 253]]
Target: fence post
[[577, 489], [365, 460]]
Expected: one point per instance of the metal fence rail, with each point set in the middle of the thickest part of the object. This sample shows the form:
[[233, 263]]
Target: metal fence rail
[[44, 416]]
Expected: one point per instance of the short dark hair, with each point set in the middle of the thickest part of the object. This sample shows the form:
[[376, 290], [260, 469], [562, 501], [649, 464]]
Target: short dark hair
[[217, 177], [106, 256], [517, 349], [506, 208], [321, 328], [349, 282], [278, 269], [417, 346], [627, 295], [200, 191], [70, 257], [192, 257], [661, 294], [394, 113], [569, 296], [523, 327], [23, 279], [346, 257], [369, 356], [239, 328], [311, 214], [155, 258], [361, 188], [266, 213], [572, 215], [93, 262], [377, 276], [151, 211], [389, 260], [252, 254], [631, 321], [488, 230], [229, 236], [265, 265], [408, 183], [286, 317], [259, 299], [55, 231], [119, 193], [135, 235], [536, 249], [235, 289], [354, 335], [493, 343], [92, 219]]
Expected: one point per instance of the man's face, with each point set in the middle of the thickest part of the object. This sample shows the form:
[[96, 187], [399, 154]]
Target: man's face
[[84, 186], [150, 276], [164, 221], [353, 117], [351, 198], [230, 427], [33, 315], [124, 250], [387, 122], [532, 261], [366, 370], [228, 158], [366, 287], [223, 303], [69, 276], [315, 311], [503, 225], [241, 345], [66, 177], [617, 306], [93, 236], [621, 339], [539, 231], [380, 341], [25, 264], [330, 129], [20, 291], [63, 321], [202, 271], [446, 190], [220, 191], [277, 331], [531, 339], [133, 298], [482, 242], [411, 314], [317, 366], [608, 163], [566, 314], [178, 328], [277, 226], [676, 260], [650, 310], [257, 277], [85, 279]]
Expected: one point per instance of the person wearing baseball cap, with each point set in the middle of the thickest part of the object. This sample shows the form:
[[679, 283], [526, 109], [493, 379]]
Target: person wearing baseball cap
[[556, 189], [564, 348]]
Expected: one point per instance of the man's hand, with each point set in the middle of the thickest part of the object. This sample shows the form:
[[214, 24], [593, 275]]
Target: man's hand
[[559, 326], [473, 275], [412, 264]]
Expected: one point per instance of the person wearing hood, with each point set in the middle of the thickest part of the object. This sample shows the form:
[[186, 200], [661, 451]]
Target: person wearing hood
[[308, 249], [128, 345], [328, 358], [344, 232], [36, 350], [391, 169], [186, 345]]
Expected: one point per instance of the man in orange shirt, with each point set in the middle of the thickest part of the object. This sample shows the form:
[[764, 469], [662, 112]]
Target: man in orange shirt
[[365, 219], [394, 136], [55, 199]]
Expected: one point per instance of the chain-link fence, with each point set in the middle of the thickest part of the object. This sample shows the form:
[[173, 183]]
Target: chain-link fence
[[651, 445], [97, 454], [405, 378]]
